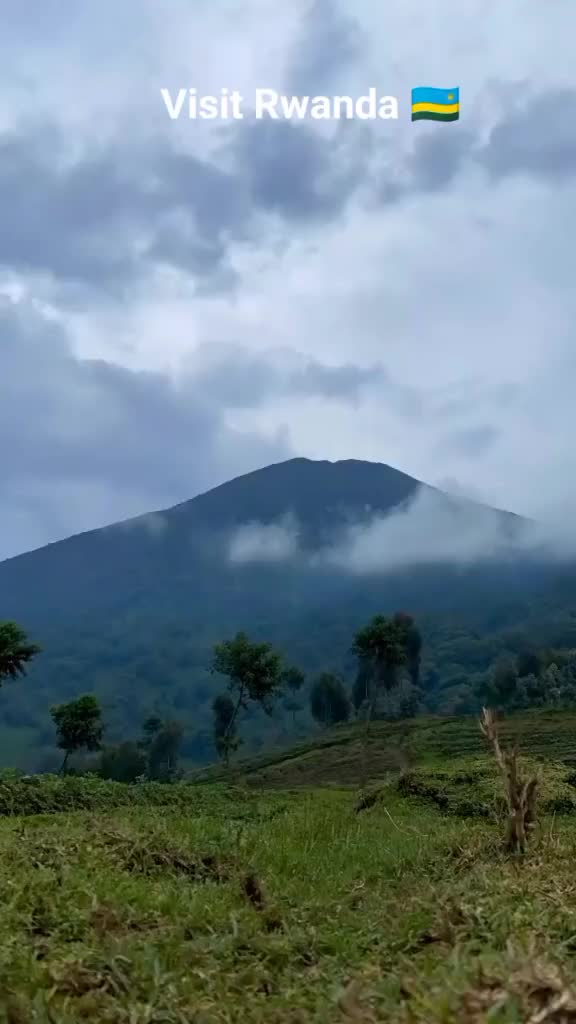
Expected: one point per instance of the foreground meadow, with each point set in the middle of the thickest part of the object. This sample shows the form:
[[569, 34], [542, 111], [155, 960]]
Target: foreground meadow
[[283, 907]]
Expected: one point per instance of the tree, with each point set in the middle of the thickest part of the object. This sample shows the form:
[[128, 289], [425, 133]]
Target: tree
[[329, 702], [78, 726], [225, 737], [412, 644], [15, 651], [381, 650], [255, 674], [164, 752], [123, 763], [361, 686], [500, 687], [151, 728], [293, 679]]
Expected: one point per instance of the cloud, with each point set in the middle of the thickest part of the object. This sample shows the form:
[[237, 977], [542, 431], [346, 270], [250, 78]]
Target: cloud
[[432, 528], [86, 442], [400, 293], [153, 523], [105, 216], [96, 219], [535, 139], [328, 42], [292, 170], [236, 377], [473, 441], [254, 543]]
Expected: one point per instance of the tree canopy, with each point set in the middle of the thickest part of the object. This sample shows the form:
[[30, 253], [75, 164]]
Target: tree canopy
[[78, 726], [329, 701], [16, 651]]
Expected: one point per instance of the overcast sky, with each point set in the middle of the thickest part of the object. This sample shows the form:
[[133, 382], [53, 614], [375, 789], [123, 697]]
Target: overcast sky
[[181, 302]]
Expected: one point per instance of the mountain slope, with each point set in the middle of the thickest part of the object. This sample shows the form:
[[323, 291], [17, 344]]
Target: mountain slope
[[131, 612], [105, 568]]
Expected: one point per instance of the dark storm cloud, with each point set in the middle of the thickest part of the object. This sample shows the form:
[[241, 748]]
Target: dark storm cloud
[[341, 382], [536, 139], [437, 158], [104, 217], [328, 42], [87, 442], [101, 218], [236, 377], [295, 172]]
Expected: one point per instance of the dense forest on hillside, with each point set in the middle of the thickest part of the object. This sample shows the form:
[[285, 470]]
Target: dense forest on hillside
[[132, 613], [139, 668]]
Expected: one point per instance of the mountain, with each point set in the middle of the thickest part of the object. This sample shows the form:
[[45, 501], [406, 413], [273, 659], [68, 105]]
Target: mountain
[[300, 553], [130, 560]]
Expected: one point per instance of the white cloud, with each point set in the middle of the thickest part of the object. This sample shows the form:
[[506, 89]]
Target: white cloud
[[458, 283], [259, 542]]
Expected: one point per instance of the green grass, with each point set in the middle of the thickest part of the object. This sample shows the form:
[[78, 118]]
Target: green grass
[[279, 901], [472, 787], [281, 907], [333, 758], [48, 794]]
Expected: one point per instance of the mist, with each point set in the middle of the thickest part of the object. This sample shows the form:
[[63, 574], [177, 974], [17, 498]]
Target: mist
[[432, 528]]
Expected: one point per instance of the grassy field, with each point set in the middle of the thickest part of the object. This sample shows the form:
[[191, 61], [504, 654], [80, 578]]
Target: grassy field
[[333, 758], [275, 898], [286, 907]]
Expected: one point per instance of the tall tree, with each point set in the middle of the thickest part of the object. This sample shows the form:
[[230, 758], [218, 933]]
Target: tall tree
[[164, 752], [412, 644], [123, 763], [78, 726], [293, 679], [381, 652], [361, 686], [254, 671], [329, 702], [225, 737], [16, 651]]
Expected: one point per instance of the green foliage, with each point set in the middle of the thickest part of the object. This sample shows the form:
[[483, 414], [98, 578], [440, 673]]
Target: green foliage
[[78, 725], [48, 794], [164, 751], [329, 702], [16, 651], [123, 763], [545, 678], [472, 787], [412, 643], [255, 674], [254, 669], [381, 649], [293, 679], [225, 737]]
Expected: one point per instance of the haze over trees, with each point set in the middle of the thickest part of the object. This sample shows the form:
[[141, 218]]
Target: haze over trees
[[137, 627], [329, 701]]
